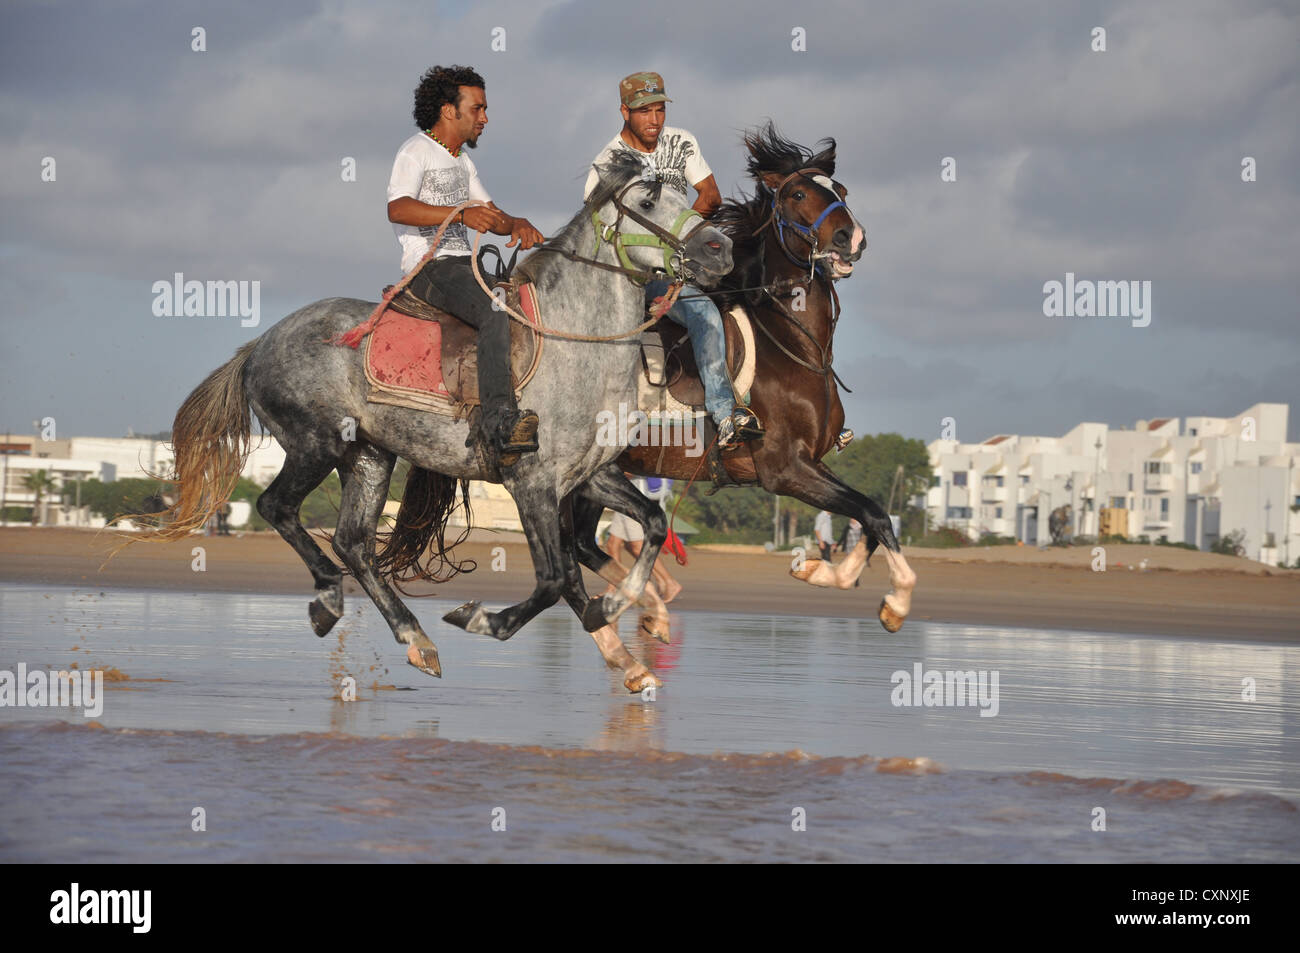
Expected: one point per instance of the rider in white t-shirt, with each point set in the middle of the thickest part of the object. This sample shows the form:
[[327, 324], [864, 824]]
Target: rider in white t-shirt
[[674, 157], [431, 176]]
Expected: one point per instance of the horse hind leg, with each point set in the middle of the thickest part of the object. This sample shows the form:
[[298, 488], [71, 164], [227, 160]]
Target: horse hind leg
[[365, 473], [279, 505]]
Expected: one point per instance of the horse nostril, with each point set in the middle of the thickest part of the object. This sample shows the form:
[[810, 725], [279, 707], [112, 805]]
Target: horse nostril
[[842, 236]]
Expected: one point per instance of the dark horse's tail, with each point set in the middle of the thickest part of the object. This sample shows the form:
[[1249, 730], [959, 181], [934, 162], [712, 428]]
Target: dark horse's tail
[[210, 442], [416, 547]]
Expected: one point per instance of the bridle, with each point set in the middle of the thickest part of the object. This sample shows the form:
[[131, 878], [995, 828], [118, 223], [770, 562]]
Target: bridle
[[780, 222], [668, 240]]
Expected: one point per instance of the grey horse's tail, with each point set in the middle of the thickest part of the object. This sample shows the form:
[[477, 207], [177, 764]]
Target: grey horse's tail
[[210, 441], [416, 547]]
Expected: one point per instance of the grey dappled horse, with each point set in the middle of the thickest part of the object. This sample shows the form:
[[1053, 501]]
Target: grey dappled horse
[[306, 390]]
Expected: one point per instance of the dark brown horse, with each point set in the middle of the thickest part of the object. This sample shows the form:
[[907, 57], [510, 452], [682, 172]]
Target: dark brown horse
[[790, 242]]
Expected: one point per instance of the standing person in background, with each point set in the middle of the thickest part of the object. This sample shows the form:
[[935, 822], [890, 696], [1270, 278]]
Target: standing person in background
[[625, 533], [824, 533], [849, 540]]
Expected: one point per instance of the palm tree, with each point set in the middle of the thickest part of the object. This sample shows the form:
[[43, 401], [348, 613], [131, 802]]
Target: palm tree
[[39, 483]]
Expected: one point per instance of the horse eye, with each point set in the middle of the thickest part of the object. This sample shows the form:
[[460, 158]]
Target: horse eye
[[647, 205], [798, 195]]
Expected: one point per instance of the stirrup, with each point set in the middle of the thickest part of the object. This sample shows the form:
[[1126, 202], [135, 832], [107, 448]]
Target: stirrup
[[514, 435], [843, 440]]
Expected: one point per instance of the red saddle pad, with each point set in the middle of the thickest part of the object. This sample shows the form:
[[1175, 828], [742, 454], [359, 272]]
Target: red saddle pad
[[407, 352]]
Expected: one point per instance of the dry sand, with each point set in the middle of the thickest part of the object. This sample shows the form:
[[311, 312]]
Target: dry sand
[[1180, 593]]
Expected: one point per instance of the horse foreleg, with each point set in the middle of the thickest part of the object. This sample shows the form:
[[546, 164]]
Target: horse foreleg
[[577, 522], [608, 487], [816, 485], [365, 473], [539, 513]]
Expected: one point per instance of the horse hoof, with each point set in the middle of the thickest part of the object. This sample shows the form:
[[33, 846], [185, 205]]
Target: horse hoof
[[638, 682], [322, 618], [652, 626], [426, 660], [890, 619], [472, 617], [807, 569]]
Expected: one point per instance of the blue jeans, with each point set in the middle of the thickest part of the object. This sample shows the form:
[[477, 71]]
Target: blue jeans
[[703, 324]]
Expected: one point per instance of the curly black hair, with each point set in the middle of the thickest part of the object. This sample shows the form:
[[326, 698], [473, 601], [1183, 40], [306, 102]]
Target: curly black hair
[[441, 85]]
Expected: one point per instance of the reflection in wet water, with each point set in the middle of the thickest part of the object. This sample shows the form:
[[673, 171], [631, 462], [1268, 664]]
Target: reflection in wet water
[[1079, 704]]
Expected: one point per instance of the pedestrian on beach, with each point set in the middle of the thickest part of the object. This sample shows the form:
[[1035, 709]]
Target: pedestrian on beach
[[825, 535]]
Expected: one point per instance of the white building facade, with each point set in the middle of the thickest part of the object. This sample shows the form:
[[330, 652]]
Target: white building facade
[[1189, 481]]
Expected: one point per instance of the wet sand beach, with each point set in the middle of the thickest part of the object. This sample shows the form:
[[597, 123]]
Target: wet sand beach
[[1180, 593]]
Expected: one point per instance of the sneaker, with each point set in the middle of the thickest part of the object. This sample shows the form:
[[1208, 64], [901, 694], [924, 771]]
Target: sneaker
[[741, 427]]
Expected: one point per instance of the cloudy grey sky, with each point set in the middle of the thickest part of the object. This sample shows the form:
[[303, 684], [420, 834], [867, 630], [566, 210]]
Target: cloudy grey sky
[[1123, 164]]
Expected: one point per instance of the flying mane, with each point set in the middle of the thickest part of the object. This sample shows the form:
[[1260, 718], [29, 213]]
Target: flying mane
[[740, 218]]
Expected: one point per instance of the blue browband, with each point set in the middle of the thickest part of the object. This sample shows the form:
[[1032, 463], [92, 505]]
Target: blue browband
[[807, 231]]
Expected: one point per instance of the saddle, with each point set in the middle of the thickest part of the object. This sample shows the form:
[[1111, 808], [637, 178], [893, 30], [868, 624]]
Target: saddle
[[420, 357], [670, 378]]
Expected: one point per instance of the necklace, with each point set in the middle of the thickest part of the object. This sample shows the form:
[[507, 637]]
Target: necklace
[[454, 155]]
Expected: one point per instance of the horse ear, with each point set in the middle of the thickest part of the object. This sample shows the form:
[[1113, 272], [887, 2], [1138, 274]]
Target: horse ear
[[772, 180], [825, 160]]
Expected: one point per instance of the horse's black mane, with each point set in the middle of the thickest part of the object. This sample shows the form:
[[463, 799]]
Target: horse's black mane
[[739, 218], [620, 169]]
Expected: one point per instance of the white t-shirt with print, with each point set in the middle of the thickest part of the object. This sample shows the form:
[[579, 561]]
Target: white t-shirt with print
[[676, 160], [425, 171]]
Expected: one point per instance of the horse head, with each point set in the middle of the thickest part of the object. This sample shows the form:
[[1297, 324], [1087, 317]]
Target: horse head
[[655, 228], [806, 204]]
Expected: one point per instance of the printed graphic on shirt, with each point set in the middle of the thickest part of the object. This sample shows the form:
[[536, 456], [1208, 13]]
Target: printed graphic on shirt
[[670, 160], [445, 187]]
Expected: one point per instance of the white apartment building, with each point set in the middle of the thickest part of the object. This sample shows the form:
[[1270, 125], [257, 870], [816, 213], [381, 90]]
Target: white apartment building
[[117, 458], [69, 459], [1191, 480]]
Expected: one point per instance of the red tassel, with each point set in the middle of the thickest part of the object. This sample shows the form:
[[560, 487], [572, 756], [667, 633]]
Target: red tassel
[[675, 546]]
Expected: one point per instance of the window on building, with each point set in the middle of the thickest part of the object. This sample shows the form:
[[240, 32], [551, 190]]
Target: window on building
[[1166, 467], [1024, 479], [1191, 431], [959, 478], [959, 512], [1153, 466], [934, 480], [1130, 483], [1117, 502], [997, 513], [1164, 507]]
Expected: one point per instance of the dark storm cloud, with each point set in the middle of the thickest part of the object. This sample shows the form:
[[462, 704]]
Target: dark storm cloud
[[1115, 165]]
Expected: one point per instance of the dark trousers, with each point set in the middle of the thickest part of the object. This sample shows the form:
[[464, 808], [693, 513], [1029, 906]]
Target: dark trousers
[[448, 283]]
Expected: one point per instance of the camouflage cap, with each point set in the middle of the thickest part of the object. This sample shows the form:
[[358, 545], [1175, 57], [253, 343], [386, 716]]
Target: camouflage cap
[[642, 89]]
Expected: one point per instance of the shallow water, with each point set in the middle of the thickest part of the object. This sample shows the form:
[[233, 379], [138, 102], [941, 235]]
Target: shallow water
[[249, 725]]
